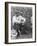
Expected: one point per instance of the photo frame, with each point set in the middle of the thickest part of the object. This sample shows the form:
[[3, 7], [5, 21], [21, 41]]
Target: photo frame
[[20, 22]]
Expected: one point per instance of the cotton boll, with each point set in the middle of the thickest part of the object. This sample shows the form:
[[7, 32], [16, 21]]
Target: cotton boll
[[14, 33]]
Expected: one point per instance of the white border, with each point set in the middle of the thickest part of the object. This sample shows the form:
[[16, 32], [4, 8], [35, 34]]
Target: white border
[[9, 23]]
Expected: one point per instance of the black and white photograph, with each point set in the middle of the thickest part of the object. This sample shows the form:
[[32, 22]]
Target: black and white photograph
[[21, 22]]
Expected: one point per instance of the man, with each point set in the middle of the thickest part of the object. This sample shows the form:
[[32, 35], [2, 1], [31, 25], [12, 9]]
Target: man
[[17, 22]]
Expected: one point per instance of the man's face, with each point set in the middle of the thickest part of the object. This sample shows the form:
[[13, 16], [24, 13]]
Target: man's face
[[21, 19]]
